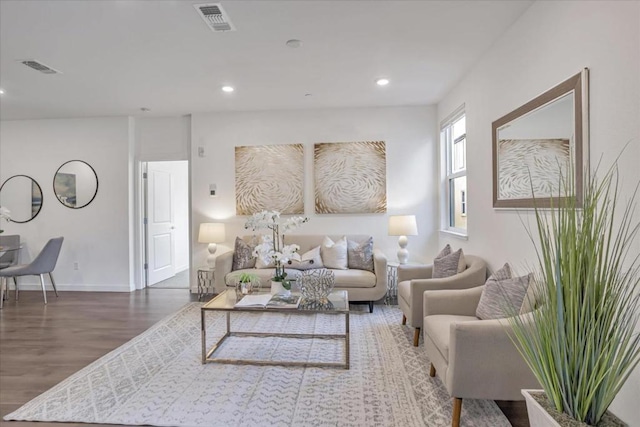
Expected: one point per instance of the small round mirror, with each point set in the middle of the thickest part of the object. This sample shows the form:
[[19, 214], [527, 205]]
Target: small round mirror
[[75, 184], [22, 195]]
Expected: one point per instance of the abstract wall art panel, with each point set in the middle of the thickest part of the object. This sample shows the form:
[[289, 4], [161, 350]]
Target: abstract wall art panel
[[270, 177], [531, 164], [350, 177]]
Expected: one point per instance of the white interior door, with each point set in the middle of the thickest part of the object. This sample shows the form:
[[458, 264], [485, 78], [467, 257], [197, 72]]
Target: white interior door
[[160, 225]]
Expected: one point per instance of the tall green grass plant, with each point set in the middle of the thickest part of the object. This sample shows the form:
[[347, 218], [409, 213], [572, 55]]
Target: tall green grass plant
[[581, 343]]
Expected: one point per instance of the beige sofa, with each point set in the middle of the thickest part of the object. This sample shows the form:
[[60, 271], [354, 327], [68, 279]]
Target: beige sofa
[[475, 359], [413, 280], [363, 286]]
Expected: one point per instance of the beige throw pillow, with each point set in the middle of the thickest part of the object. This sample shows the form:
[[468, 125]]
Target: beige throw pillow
[[503, 273], [334, 254], [360, 255], [309, 260], [502, 298], [448, 264], [243, 254]]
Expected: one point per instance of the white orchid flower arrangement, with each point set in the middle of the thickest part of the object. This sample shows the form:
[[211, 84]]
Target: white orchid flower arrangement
[[5, 214], [273, 246]]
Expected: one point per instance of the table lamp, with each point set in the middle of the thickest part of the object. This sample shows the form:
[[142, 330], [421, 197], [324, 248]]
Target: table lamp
[[211, 233], [403, 226]]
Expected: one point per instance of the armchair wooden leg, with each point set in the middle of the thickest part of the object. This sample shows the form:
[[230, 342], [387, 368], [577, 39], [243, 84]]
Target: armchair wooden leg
[[15, 282], [457, 408], [370, 306], [432, 371], [404, 319], [416, 337]]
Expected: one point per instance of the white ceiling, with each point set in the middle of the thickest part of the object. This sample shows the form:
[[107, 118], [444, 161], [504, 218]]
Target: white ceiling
[[118, 56]]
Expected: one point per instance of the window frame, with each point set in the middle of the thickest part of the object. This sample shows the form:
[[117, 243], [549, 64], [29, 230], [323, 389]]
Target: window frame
[[448, 176]]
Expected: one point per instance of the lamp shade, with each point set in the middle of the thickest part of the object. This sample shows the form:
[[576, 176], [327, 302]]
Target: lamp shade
[[211, 233], [403, 225]]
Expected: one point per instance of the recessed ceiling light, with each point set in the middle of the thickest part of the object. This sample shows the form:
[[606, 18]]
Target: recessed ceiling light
[[382, 81], [227, 89], [294, 43], [1, 91]]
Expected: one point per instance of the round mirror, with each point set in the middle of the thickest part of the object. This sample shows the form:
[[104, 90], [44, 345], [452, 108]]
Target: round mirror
[[22, 195], [75, 184]]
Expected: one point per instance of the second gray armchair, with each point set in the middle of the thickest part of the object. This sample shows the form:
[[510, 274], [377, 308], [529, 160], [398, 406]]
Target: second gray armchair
[[413, 281], [475, 359]]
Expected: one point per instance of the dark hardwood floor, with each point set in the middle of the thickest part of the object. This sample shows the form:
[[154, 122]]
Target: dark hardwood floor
[[42, 345]]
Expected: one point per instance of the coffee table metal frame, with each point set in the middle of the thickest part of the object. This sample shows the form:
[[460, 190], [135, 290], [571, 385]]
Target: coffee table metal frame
[[207, 355]]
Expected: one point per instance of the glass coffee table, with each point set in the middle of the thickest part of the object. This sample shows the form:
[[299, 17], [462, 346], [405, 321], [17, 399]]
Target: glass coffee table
[[338, 304]]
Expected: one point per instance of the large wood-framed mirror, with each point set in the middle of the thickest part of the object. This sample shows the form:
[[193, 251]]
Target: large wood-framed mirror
[[536, 143]]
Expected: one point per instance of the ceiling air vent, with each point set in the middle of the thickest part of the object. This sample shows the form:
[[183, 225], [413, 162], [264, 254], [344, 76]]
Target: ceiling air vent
[[215, 17], [39, 66]]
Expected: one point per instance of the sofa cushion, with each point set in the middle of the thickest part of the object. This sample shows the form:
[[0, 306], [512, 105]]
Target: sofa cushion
[[243, 253], [264, 274], [344, 278], [334, 254], [438, 328], [502, 298], [353, 278], [360, 255]]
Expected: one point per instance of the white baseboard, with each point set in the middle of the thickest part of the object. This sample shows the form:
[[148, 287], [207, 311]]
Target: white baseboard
[[66, 287]]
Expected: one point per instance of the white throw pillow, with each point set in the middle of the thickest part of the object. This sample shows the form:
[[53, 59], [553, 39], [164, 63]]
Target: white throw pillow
[[334, 254], [308, 260]]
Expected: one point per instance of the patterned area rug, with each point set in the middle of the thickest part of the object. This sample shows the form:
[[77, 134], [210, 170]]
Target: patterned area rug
[[157, 378]]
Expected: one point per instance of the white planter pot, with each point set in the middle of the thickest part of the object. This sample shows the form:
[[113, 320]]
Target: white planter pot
[[538, 417], [277, 288]]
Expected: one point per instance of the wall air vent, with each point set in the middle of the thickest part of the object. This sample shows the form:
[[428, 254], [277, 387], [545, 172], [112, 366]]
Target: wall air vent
[[39, 66], [215, 17]]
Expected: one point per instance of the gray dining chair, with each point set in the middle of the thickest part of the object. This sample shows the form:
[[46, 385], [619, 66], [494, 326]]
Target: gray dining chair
[[43, 264], [9, 257]]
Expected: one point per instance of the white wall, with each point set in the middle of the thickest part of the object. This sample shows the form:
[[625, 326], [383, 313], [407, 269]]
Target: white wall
[[551, 42], [157, 138], [96, 236], [409, 133], [162, 138]]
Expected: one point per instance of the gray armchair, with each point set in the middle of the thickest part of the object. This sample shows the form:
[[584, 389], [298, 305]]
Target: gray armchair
[[43, 264], [475, 359], [413, 281]]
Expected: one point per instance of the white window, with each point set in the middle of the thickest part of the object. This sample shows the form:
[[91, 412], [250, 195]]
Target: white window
[[454, 149]]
